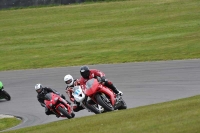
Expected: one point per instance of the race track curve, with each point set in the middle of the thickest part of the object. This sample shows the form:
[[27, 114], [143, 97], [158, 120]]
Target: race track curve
[[142, 83]]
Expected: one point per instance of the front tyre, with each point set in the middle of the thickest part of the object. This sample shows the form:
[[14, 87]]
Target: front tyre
[[123, 105], [104, 102], [64, 112], [6, 95], [93, 108]]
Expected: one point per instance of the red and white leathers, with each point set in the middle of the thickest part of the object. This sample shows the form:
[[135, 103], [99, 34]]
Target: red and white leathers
[[69, 90], [94, 73]]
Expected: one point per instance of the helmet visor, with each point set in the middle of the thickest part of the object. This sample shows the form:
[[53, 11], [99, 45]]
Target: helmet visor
[[85, 74], [68, 81], [39, 90]]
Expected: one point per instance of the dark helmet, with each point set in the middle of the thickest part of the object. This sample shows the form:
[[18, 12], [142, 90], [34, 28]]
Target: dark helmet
[[85, 72]]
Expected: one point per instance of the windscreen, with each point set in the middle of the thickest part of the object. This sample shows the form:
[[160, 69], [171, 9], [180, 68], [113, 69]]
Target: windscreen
[[75, 88], [48, 96], [89, 83]]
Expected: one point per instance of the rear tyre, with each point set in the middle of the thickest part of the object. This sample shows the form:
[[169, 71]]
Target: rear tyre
[[123, 105], [104, 102], [72, 114], [6, 95], [64, 112], [93, 108]]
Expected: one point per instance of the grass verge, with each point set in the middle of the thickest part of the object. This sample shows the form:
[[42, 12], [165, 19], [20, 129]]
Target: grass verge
[[99, 33], [179, 116], [6, 123]]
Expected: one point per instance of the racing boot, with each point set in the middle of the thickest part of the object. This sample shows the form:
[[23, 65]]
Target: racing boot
[[65, 99], [68, 102], [57, 116], [49, 112], [115, 90], [74, 106]]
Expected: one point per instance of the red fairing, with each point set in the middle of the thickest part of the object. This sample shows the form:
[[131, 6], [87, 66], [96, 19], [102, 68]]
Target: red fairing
[[93, 73], [91, 90], [93, 87], [56, 101]]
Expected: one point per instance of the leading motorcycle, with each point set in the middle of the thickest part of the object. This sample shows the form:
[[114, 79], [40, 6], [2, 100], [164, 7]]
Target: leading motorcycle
[[4, 94], [85, 101], [58, 105], [104, 96]]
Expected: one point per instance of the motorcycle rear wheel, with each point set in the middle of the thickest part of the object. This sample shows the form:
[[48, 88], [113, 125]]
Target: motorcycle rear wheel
[[64, 112], [72, 115], [93, 108], [103, 101]]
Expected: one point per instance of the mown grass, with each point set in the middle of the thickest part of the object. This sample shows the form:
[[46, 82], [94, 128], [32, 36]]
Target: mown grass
[[179, 116], [8, 123], [99, 33], [113, 32]]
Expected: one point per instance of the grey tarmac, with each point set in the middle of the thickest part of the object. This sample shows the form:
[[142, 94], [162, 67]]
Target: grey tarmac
[[143, 83]]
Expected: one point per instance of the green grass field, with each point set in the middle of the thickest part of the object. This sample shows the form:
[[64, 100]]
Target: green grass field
[[99, 33], [103, 33], [8, 123], [180, 116]]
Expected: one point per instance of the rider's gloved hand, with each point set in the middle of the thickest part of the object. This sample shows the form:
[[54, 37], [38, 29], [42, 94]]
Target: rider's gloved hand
[[43, 105], [120, 93], [103, 80], [99, 79], [63, 96]]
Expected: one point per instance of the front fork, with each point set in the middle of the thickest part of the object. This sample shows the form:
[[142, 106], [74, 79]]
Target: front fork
[[118, 102], [104, 96]]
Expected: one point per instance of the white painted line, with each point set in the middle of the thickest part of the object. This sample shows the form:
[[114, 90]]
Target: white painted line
[[6, 116]]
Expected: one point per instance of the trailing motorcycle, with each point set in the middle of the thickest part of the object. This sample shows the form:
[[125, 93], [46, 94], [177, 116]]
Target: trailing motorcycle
[[58, 105], [85, 101], [4, 94], [104, 96]]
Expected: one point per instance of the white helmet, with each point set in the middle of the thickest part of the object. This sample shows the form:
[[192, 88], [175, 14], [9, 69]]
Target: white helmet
[[69, 80], [38, 88]]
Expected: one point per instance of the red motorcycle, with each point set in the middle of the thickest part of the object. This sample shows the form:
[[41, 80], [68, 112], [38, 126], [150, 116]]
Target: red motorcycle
[[58, 105], [104, 96]]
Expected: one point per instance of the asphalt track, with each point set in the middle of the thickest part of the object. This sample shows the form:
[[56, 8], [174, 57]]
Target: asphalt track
[[142, 83]]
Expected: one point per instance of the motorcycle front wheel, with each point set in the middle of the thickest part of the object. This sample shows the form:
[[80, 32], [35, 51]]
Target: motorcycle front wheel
[[123, 105], [64, 112], [93, 108], [104, 102], [5, 95]]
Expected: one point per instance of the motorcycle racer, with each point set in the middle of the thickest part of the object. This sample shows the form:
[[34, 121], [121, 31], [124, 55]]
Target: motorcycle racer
[[87, 74], [4, 94], [42, 91], [70, 83], [1, 85]]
